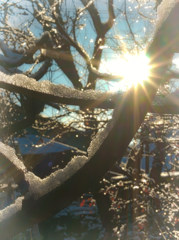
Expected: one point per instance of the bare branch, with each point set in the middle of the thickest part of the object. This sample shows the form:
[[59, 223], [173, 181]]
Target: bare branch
[[94, 15], [129, 25], [101, 30], [16, 127], [42, 70], [108, 25]]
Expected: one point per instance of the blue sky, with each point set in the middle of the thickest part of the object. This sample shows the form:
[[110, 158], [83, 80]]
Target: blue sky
[[141, 27]]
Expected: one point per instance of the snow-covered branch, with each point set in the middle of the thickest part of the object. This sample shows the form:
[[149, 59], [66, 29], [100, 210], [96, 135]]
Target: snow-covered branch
[[107, 147], [47, 92], [9, 154]]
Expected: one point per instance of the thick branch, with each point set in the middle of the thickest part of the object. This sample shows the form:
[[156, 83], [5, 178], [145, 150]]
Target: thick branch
[[94, 15], [47, 92], [16, 127], [9, 153], [108, 145], [108, 25], [101, 30], [42, 70]]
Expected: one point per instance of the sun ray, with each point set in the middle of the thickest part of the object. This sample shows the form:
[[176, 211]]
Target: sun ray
[[134, 69]]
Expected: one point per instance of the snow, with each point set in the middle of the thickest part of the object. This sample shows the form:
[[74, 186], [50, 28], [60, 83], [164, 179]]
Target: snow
[[101, 135], [9, 153], [12, 209], [98, 139], [39, 187], [164, 10], [172, 99], [56, 92]]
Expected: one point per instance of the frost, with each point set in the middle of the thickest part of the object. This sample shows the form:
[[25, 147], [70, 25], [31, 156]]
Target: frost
[[47, 91], [57, 93], [39, 187], [12, 209], [101, 135], [47, 87], [9, 153], [172, 99], [98, 139], [34, 183], [164, 10]]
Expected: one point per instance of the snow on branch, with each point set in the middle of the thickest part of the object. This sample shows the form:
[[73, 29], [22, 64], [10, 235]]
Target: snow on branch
[[166, 32], [108, 147], [11, 210], [48, 92], [9, 154]]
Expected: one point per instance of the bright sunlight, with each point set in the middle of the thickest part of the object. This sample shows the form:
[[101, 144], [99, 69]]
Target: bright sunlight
[[133, 69]]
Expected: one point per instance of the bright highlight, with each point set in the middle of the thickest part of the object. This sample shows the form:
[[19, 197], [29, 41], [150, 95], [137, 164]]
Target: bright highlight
[[134, 69]]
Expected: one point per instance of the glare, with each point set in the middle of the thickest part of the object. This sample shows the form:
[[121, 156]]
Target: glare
[[133, 69], [176, 61]]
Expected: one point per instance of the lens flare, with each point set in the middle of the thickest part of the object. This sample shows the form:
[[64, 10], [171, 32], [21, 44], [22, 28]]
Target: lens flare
[[134, 69]]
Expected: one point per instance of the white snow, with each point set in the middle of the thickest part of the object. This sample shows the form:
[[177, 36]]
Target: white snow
[[59, 91], [100, 137], [47, 87], [164, 10], [172, 99], [39, 187], [12, 209], [9, 153]]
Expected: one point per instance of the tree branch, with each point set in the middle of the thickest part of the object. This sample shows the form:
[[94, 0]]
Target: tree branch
[[94, 15], [48, 93], [109, 24], [108, 145]]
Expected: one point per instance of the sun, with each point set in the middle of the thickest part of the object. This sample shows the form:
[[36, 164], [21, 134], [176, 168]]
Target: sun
[[135, 69], [132, 69]]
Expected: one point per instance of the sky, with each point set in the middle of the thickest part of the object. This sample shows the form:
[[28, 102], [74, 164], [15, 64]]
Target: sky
[[119, 37]]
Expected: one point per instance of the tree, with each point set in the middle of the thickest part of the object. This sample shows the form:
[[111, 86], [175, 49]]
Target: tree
[[60, 45]]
